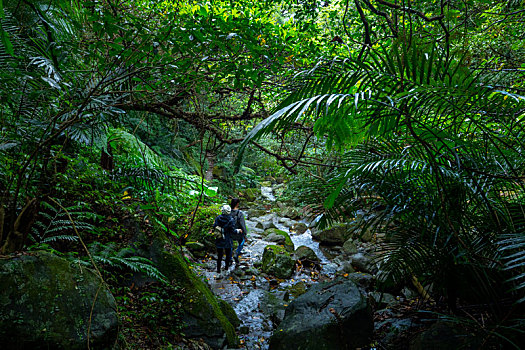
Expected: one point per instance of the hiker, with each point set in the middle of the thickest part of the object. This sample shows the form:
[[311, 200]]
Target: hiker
[[238, 216], [224, 224]]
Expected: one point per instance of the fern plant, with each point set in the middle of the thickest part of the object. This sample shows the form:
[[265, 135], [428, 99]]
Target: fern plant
[[123, 259], [55, 223]]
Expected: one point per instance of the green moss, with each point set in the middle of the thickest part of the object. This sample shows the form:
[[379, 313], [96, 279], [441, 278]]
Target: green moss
[[288, 244], [297, 289], [47, 300], [199, 300], [230, 314], [251, 194], [277, 261]]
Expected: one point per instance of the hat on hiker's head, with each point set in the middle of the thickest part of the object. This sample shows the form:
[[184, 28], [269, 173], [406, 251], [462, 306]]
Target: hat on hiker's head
[[226, 209]]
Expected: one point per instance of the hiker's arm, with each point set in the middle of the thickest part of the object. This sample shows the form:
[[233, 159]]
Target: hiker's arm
[[242, 224]]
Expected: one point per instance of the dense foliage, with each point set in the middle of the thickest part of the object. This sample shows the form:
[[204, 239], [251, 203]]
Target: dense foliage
[[118, 114]]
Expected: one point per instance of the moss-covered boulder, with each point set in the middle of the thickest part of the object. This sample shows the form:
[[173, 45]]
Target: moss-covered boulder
[[251, 194], [287, 243], [350, 247], [203, 315], [48, 302], [277, 261], [229, 312]]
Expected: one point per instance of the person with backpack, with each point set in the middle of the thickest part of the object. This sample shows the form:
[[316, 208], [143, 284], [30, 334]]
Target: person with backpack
[[223, 228], [240, 237]]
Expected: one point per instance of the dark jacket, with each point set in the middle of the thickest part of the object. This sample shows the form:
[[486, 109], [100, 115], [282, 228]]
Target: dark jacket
[[239, 216], [227, 223]]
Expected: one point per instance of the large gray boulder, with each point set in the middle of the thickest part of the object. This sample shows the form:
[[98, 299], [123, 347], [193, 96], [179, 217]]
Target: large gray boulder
[[330, 315], [335, 235], [48, 302], [306, 255]]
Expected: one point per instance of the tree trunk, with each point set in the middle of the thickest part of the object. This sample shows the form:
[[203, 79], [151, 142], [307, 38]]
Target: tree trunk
[[210, 158]]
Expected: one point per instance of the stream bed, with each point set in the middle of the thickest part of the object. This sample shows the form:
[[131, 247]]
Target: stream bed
[[248, 290]]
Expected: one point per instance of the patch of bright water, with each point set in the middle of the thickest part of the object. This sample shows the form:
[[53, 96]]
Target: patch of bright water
[[267, 193], [258, 328]]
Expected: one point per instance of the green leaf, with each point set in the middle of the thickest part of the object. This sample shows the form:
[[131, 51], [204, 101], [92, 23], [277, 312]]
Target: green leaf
[[4, 36]]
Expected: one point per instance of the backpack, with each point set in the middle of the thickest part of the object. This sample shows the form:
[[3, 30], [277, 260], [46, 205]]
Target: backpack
[[236, 236], [221, 231]]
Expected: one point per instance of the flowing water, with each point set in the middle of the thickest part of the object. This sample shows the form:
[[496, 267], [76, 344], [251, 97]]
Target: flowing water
[[245, 289]]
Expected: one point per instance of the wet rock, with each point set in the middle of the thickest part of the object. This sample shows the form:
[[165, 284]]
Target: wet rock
[[306, 255], [291, 213], [347, 267], [349, 247], [273, 305], [287, 243], [330, 315], [267, 193], [276, 238], [363, 263], [46, 302], [265, 222], [335, 235], [254, 213], [277, 262], [299, 227]]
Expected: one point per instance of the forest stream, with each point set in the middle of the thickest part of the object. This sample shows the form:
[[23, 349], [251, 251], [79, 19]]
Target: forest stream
[[246, 289]]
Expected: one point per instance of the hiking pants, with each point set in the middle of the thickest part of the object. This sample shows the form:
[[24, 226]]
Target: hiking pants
[[239, 248], [220, 253]]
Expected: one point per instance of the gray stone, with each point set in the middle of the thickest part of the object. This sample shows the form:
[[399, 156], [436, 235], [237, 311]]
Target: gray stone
[[335, 235], [349, 247], [347, 267], [274, 237], [46, 302], [288, 244], [299, 227], [363, 263], [330, 315], [364, 280], [306, 255]]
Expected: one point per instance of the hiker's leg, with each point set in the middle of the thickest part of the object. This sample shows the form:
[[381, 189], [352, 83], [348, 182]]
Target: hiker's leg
[[239, 248], [238, 251], [220, 252], [228, 257]]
